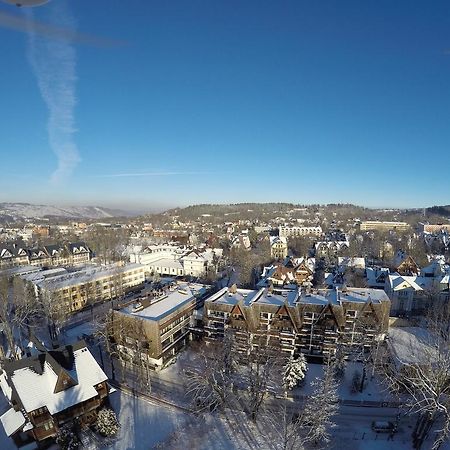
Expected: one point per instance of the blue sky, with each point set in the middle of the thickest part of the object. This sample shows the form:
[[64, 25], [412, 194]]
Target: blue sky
[[227, 101]]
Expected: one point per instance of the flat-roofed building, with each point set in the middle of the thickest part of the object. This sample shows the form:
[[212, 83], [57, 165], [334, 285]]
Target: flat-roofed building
[[378, 225], [157, 326], [299, 231], [434, 228], [74, 290], [295, 321]]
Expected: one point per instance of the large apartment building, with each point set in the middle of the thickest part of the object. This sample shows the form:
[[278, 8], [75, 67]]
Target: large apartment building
[[299, 231], [298, 322], [434, 228], [71, 254], [93, 284], [378, 225], [157, 326]]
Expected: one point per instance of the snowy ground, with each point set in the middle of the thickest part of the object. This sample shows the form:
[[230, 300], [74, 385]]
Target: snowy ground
[[143, 424], [373, 389], [146, 425]]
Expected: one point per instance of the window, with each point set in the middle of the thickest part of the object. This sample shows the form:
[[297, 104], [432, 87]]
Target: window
[[48, 425]]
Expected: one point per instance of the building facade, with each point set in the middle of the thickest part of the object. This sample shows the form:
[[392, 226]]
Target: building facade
[[297, 231], [155, 328], [71, 254], [377, 225], [75, 290], [278, 247], [298, 322]]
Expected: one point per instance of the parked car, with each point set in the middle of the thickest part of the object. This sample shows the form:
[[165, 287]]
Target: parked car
[[382, 426]]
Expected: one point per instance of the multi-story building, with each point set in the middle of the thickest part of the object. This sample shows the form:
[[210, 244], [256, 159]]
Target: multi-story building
[[75, 290], [434, 228], [177, 260], [278, 247], [295, 271], [295, 321], [71, 254], [12, 255], [404, 264], [378, 225], [157, 326], [413, 295], [49, 389], [299, 231]]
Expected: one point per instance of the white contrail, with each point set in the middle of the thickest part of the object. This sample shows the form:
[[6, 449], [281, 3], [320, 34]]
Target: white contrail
[[53, 62]]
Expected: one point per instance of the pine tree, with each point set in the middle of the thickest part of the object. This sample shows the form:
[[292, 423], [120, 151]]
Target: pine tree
[[339, 362], [66, 439], [294, 371], [107, 423]]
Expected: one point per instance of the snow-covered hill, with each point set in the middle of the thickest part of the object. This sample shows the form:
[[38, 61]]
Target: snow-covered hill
[[23, 211]]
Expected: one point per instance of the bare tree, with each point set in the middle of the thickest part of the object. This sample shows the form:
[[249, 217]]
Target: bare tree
[[426, 382], [210, 385], [261, 369], [321, 408], [54, 310], [18, 308], [125, 339], [283, 428]]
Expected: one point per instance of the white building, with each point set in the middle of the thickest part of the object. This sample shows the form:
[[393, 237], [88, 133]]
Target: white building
[[176, 260], [297, 231]]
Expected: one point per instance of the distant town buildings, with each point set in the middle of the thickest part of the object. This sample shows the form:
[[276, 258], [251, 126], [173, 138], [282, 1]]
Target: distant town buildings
[[377, 225], [299, 231], [71, 254], [434, 228], [292, 272], [177, 260]]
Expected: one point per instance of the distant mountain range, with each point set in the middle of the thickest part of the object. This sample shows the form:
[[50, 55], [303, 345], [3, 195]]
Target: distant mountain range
[[17, 212]]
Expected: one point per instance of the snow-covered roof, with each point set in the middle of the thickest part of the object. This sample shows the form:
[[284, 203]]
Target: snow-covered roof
[[86, 275], [355, 262], [167, 263], [35, 382], [410, 345], [228, 297], [376, 276], [277, 239], [12, 421], [165, 305], [400, 282], [351, 294]]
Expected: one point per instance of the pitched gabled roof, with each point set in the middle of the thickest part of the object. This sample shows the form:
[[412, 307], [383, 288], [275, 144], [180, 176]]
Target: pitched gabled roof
[[38, 381]]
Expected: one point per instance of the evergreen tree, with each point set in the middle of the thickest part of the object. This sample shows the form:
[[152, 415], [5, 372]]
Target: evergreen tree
[[107, 423], [294, 371]]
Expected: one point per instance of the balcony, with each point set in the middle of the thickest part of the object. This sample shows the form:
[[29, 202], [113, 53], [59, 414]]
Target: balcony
[[41, 433], [39, 420], [174, 329]]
